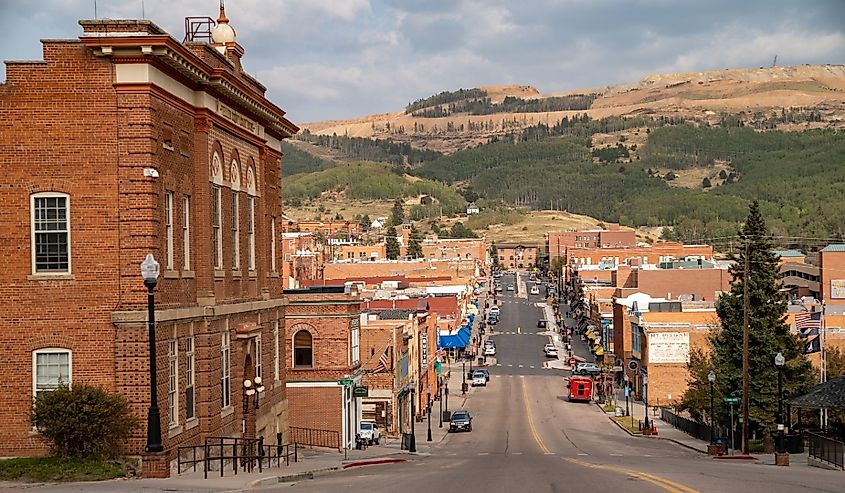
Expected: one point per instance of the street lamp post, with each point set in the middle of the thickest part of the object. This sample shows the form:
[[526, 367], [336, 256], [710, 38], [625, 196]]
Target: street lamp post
[[250, 391], [711, 377], [781, 458], [428, 438], [440, 395], [412, 447], [149, 271], [645, 405], [463, 377]]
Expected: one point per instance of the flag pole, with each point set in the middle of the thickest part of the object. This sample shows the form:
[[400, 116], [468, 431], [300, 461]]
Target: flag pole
[[823, 367]]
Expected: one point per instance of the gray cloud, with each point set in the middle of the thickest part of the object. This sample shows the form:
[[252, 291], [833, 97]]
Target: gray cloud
[[327, 59]]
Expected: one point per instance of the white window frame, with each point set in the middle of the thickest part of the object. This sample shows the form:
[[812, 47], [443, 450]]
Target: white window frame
[[226, 371], [173, 382], [52, 350], [273, 244], [190, 378], [236, 232], [257, 357], [250, 233], [186, 232], [276, 375], [355, 346], [217, 226], [168, 229], [45, 195]]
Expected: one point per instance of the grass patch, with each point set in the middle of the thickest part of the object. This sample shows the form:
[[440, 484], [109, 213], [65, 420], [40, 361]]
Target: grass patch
[[630, 423], [58, 469]]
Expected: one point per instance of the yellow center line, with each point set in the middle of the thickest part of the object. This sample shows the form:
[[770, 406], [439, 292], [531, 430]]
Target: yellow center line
[[663, 483]]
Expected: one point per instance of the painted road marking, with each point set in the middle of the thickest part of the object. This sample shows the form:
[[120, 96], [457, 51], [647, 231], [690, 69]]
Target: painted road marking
[[521, 366], [517, 453], [665, 484], [548, 453], [582, 453], [616, 455], [484, 453], [532, 366], [498, 364], [509, 365]]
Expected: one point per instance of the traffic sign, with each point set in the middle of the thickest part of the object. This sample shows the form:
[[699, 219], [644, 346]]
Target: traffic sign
[[345, 381], [730, 400]]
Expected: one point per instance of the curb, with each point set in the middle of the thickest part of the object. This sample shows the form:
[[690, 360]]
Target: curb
[[291, 478], [735, 457], [629, 432], [373, 462]]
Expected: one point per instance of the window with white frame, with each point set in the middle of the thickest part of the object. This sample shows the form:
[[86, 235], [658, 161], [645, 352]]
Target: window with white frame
[[168, 229], [216, 233], [257, 356], [50, 233], [276, 375], [51, 368], [173, 383], [190, 369], [225, 377], [186, 232], [250, 233], [236, 232], [356, 347], [273, 244]]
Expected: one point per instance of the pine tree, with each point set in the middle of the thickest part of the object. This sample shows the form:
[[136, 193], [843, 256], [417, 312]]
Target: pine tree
[[768, 331], [391, 244], [415, 243], [397, 213]]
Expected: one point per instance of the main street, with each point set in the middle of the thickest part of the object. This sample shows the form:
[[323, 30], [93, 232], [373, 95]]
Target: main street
[[528, 438]]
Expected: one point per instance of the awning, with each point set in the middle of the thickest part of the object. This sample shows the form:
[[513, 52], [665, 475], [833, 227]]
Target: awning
[[459, 339], [830, 394]]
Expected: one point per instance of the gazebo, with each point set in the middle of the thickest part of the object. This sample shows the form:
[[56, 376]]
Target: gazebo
[[825, 451]]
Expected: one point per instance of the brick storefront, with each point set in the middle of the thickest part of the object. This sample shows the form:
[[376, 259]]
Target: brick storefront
[[121, 138]]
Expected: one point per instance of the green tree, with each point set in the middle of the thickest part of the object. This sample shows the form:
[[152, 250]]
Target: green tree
[[768, 331], [494, 254], [696, 399], [461, 231], [415, 243], [391, 244], [365, 222], [397, 213]]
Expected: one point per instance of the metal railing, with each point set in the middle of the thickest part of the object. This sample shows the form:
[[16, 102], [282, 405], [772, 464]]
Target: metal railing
[[233, 453], [688, 426], [315, 437], [826, 449]]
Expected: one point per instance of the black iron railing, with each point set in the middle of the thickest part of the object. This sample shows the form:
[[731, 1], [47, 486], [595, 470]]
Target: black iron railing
[[234, 454], [315, 437], [688, 426], [826, 449]]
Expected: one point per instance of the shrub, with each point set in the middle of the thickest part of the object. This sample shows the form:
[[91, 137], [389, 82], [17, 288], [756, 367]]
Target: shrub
[[83, 421]]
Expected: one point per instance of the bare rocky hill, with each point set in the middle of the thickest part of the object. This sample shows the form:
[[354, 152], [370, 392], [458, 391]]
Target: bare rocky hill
[[695, 96]]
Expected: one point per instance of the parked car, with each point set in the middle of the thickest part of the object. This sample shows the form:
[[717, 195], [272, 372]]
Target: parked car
[[461, 421], [369, 431], [535, 290], [586, 369], [478, 378], [492, 320], [494, 310], [542, 324], [548, 346], [510, 287], [490, 351], [485, 372], [552, 352]]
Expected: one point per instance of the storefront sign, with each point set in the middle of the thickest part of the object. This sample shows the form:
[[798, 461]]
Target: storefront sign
[[837, 288], [424, 350], [668, 347], [360, 392]]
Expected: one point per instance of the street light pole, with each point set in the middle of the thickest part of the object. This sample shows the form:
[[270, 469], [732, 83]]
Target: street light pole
[[779, 362], [149, 271], [711, 377], [645, 404], [412, 447], [440, 394], [428, 438], [463, 377]]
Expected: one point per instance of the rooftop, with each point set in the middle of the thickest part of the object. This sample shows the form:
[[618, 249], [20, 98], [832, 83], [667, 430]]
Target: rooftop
[[834, 248]]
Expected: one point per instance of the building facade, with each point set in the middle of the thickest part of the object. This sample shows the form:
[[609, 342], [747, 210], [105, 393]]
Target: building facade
[[144, 145]]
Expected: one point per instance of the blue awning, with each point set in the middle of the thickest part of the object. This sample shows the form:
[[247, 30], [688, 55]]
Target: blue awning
[[460, 339]]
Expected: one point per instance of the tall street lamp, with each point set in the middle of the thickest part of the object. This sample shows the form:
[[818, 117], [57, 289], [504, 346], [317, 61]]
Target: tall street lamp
[[779, 362], [428, 438], [149, 271], [440, 395], [711, 377], [412, 446], [252, 389], [463, 377]]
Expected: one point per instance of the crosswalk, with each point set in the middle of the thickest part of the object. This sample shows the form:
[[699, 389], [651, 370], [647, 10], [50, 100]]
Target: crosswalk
[[530, 367]]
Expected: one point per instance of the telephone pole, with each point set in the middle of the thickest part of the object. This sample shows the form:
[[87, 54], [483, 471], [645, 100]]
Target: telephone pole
[[745, 364]]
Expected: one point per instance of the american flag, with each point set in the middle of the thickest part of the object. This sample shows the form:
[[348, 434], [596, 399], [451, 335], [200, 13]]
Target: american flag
[[808, 323], [382, 361]]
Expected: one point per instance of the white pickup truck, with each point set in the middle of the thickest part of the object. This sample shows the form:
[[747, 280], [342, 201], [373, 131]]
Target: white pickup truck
[[369, 432]]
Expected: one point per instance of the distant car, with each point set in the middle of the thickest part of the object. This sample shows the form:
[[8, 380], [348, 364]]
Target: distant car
[[369, 431], [510, 287], [535, 290], [492, 320], [548, 346], [485, 373], [494, 310], [542, 324], [461, 421], [498, 288], [586, 369], [490, 351], [478, 378], [489, 343], [551, 352]]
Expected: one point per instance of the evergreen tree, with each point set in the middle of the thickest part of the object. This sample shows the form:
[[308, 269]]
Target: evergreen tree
[[768, 332], [397, 213], [391, 244], [415, 243]]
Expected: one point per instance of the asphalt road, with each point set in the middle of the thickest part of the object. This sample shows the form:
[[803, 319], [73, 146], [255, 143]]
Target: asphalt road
[[528, 438]]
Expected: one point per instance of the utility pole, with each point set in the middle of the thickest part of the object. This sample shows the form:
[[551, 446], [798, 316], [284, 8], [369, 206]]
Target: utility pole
[[745, 366]]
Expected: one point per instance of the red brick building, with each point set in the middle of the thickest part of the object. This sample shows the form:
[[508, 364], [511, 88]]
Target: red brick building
[[613, 237], [322, 327], [121, 143]]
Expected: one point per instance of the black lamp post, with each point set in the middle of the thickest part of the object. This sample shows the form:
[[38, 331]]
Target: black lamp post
[[428, 438], [250, 391], [645, 403], [711, 377], [447, 397], [149, 271], [464, 377], [412, 447], [779, 362], [440, 392]]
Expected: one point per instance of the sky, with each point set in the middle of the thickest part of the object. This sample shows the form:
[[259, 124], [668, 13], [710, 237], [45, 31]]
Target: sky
[[338, 59]]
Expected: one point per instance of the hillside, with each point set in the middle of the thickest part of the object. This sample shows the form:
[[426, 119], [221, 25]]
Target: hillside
[[698, 96]]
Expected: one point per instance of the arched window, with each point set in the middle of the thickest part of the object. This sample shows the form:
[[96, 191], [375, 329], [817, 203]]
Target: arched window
[[235, 175], [216, 169], [303, 353], [250, 181]]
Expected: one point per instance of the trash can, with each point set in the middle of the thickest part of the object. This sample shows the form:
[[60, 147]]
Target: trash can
[[447, 416], [406, 441], [794, 443]]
